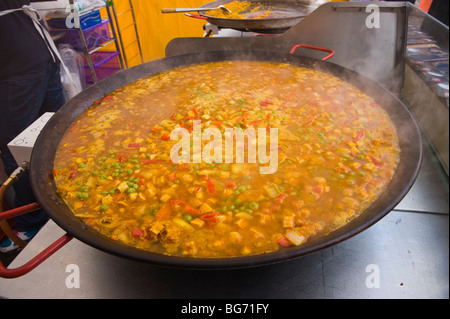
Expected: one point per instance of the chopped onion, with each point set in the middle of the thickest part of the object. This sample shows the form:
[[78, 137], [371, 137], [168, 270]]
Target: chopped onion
[[295, 237]]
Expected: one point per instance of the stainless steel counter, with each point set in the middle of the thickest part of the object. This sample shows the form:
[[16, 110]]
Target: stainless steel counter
[[405, 255]]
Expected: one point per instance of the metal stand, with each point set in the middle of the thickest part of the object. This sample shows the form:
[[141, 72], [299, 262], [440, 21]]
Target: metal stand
[[120, 30]]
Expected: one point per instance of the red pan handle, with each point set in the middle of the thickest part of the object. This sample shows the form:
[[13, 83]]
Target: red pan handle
[[197, 16], [313, 47], [38, 259]]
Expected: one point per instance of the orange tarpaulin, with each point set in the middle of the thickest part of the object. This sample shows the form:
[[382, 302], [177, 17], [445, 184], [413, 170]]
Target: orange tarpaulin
[[425, 5]]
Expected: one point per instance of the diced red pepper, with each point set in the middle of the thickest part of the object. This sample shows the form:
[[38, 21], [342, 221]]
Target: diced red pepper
[[283, 241], [230, 184], [280, 198], [137, 232], [134, 145], [311, 119], [270, 208], [243, 118], [73, 175], [107, 98], [266, 102], [317, 190], [187, 208], [376, 162], [194, 211], [184, 167], [210, 219], [209, 216], [251, 123], [138, 175], [197, 115], [211, 186], [165, 137], [360, 135]]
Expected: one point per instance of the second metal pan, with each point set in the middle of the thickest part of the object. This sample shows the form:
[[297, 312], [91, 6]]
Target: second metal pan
[[283, 15]]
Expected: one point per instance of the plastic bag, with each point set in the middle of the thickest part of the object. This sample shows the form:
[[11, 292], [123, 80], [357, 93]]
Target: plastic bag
[[76, 82]]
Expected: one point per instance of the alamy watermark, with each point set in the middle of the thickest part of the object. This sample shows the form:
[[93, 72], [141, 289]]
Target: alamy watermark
[[373, 19], [220, 149], [73, 19], [73, 279], [373, 279]]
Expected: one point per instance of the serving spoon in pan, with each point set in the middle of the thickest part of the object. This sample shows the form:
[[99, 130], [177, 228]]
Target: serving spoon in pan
[[176, 10]]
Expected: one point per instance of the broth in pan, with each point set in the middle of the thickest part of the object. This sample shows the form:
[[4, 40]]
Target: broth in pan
[[330, 148]]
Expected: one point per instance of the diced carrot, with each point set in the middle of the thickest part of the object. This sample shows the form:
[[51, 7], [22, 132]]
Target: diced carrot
[[165, 137]]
